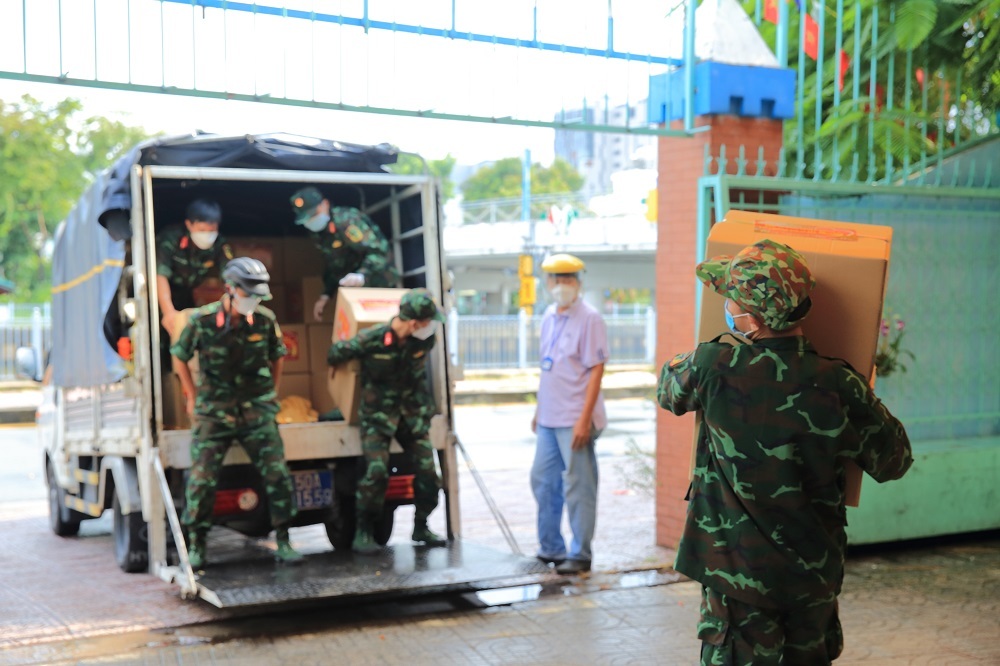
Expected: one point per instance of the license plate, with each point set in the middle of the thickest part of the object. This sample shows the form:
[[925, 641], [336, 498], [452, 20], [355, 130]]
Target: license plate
[[313, 489]]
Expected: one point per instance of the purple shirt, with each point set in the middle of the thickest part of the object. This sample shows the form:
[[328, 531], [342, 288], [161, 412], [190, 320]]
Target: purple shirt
[[576, 340]]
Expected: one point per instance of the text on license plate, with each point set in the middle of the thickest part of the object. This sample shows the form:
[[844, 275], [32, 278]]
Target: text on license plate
[[313, 488]]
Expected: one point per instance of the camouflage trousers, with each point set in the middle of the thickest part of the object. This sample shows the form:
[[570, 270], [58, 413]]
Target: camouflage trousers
[[210, 440], [737, 634], [375, 442]]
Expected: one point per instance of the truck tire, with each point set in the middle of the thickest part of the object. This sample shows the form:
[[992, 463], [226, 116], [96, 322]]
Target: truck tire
[[131, 539], [340, 523], [383, 526], [63, 521]]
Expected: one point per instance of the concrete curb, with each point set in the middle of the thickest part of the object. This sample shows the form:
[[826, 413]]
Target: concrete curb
[[516, 396]]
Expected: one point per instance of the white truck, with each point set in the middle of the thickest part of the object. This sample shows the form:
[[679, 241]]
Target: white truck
[[111, 427]]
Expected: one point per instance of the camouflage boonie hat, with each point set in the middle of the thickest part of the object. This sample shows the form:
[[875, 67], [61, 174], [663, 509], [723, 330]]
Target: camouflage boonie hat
[[304, 203], [767, 279], [419, 304]]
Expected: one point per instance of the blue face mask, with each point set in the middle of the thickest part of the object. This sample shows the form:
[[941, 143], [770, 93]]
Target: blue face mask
[[731, 320], [317, 222]]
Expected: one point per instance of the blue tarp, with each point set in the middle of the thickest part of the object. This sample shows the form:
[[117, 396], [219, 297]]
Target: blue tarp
[[88, 260]]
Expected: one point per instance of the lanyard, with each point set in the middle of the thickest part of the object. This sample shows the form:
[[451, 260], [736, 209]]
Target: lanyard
[[555, 338]]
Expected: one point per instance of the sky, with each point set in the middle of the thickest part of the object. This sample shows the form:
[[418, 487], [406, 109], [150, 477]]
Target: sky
[[173, 44]]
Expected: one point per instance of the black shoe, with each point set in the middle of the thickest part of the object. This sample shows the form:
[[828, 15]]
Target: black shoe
[[570, 567], [550, 560]]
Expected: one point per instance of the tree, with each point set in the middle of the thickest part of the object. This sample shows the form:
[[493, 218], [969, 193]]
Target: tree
[[947, 44], [46, 157], [411, 163], [502, 180]]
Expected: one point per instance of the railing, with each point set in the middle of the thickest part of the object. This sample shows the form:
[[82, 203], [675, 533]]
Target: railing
[[22, 325], [482, 342], [557, 208]]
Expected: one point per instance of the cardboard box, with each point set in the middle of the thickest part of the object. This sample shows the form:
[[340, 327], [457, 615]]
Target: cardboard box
[[268, 251], [295, 383], [357, 309], [302, 295], [319, 344], [279, 303], [851, 265], [297, 357], [319, 384], [208, 291], [175, 416], [302, 259]]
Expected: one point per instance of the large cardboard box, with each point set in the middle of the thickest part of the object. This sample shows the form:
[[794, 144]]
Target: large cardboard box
[[302, 295], [851, 265], [297, 357], [319, 336], [302, 259], [357, 309], [268, 251], [278, 304], [295, 383], [208, 291], [175, 416]]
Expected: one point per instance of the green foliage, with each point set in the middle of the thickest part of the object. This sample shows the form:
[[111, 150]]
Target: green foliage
[[46, 156], [956, 44], [410, 164], [889, 356], [502, 180]]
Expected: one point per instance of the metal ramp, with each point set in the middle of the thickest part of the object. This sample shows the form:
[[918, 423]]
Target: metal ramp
[[245, 575]]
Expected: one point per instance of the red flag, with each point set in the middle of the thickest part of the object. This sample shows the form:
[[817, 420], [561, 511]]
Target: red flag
[[845, 64], [811, 45], [771, 11]]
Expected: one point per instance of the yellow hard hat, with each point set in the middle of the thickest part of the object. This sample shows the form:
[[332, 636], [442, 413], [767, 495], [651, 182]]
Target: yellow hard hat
[[562, 263]]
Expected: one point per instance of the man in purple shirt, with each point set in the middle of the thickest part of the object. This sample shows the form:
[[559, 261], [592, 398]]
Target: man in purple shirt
[[569, 417]]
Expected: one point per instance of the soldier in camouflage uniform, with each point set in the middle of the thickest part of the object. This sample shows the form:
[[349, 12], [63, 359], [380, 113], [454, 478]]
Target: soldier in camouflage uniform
[[240, 357], [395, 401], [765, 526], [355, 252], [187, 255]]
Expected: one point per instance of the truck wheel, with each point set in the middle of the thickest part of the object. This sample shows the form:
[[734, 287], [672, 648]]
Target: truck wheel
[[63, 521], [340, 524], [131, 539], [383, 527]]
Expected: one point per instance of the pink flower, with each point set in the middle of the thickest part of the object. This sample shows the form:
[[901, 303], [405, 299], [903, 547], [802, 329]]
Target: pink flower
[[900, 324], [884, 329]]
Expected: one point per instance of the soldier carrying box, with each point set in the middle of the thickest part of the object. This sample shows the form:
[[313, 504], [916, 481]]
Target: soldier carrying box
[[395, 401], [355, 252]]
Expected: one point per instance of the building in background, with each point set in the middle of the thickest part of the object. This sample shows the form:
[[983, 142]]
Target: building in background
[[597, 155]]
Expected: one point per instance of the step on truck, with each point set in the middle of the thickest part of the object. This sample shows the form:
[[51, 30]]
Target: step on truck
[[113, 423]]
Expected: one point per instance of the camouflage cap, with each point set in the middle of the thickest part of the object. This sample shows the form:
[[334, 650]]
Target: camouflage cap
[[767, 279], [304, 203], [419, 304]]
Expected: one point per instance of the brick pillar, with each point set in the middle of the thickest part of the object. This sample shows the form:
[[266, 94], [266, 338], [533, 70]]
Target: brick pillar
[[681, 164]]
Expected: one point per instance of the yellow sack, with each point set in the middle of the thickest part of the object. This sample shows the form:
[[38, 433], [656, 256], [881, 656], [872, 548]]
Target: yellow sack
[[296, 409]]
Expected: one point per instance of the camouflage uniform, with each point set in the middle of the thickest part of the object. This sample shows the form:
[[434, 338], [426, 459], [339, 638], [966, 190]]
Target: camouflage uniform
[[765, 525], [185, 265], [395, 400], [350, 243], [236, 402]]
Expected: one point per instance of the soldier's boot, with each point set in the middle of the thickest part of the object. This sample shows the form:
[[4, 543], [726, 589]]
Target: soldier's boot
[[196, 551], [364, 538], [285, 553], [422, 533]]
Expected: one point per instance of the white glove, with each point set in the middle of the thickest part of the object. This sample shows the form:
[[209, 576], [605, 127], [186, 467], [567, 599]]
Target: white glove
[[319, 306], [352, 280]]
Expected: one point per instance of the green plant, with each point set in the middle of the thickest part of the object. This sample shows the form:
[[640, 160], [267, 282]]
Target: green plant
[[888, 357]]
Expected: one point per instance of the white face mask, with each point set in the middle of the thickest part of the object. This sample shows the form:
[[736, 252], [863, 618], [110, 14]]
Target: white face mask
[[245, 305], [317, 222], [564, 294], [204, 239], [425, 332]]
